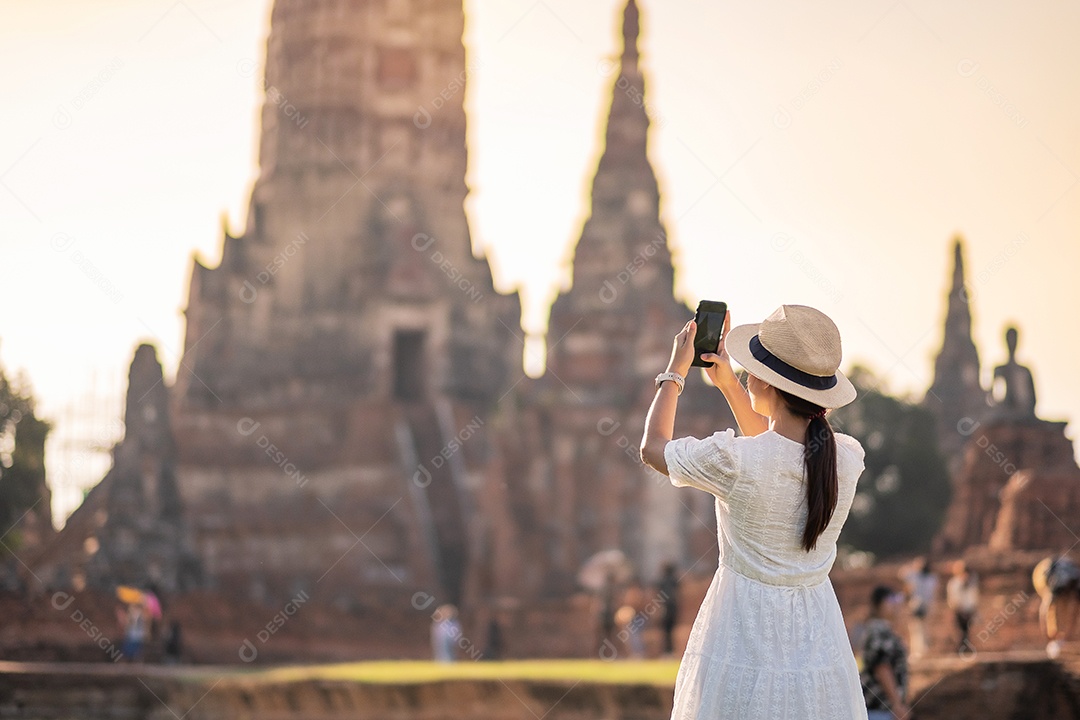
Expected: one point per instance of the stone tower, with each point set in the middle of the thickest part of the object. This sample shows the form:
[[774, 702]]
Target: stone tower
[[350, 335], [609, 335], [359, 200], [956, 397], [131, 529]]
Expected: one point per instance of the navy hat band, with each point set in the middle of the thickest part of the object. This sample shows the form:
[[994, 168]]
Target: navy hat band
[[794, 374]]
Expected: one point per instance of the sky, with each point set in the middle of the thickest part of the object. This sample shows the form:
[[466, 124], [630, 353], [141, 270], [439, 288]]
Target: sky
[[821, 154]]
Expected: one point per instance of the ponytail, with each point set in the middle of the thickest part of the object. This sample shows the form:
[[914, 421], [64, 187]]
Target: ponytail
[[819, 459]]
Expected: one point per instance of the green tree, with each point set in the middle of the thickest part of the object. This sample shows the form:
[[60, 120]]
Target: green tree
[[22, 461], [904, 490]]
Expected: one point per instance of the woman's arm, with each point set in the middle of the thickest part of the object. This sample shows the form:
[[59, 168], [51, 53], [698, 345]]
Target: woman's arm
[[659, 426], [660, 422], [722, 376], [738, 399]]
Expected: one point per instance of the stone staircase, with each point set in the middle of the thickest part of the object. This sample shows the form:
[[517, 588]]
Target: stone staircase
[[438, 491]]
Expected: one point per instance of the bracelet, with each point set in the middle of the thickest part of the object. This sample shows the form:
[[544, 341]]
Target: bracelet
[[673, 376]]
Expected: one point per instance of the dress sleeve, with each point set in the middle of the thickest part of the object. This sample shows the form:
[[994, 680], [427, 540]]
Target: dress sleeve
[[710, 464], [850, 457]]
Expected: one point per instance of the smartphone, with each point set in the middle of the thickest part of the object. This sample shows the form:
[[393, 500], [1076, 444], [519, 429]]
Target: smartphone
[[710, 326]]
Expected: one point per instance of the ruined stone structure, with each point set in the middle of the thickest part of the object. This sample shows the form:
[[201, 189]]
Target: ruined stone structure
[[350, 335], [131, 528], [956, 396], [1018, 467], [1019, 485], [1040, 505], [609, 335], [1040, 508], [351, 416], [1016, 484]]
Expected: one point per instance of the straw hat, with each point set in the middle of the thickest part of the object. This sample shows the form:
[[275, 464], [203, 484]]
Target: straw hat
[[796, 349]]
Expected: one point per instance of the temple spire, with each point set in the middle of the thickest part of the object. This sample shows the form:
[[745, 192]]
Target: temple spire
[[626, 135], [625, 197], [607, 335], [631, 27], [959, 312], [956, 395], [622, 262]]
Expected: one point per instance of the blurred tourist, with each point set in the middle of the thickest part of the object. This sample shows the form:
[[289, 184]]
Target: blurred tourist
[[605, 616], [494, 648], [885, 672], [667, 591], [154, 609], [133, 620], [1057, 581], [922, 586], [630, 621], [445, 631], [173, 646], [962, 596]]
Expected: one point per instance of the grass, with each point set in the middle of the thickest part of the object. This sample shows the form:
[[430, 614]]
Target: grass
[[631, 672]]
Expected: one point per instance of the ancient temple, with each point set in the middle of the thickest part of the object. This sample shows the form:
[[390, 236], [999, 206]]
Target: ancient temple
[[1019, 485], [1014, 477], [350, 337], [1015, 481], [956, 396], [350, 417]]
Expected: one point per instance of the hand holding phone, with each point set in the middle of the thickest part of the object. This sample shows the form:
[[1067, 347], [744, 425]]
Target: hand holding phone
[[710, 318]]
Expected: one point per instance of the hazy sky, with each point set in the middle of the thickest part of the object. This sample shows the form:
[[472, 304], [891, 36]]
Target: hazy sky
[[821, 154]]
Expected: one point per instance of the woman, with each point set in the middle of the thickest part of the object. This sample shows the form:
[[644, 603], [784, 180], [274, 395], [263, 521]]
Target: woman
[[445, 632], [1057, 581], [667, 590], [134, 624], [769, 640], [885, 674], [922, 586], [962, 597]]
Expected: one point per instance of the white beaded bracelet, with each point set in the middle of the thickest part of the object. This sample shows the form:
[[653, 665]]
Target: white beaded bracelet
[[673, 376]]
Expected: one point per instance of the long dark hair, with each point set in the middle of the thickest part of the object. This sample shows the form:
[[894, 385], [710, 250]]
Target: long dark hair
[[819, 458]]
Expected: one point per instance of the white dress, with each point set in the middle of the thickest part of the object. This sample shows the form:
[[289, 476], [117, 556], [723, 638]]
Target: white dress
[[769, 640]]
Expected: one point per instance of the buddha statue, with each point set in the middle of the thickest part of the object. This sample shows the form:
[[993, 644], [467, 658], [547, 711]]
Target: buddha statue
[[1014, 387]]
